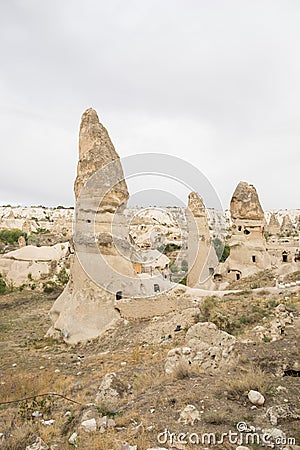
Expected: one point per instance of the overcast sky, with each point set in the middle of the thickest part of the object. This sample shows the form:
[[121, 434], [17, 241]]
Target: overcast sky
[[216, 83]]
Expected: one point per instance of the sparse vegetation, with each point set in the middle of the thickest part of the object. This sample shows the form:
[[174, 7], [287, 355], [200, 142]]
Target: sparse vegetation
[[2, 285], [11, 236], [62, 276], [222, 250], [252, 379], [181, 370]]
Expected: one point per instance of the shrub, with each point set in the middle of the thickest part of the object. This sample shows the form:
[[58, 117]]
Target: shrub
[[173, 268], [184, 265], [63, 277], [183, 281], [2, 285], [181, 370], [222, 250], [11, 236]]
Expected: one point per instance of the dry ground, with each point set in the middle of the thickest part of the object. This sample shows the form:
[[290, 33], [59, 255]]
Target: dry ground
[[32, 364]]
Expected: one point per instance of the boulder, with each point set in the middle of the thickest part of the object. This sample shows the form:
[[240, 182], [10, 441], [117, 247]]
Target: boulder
[[282, 412], [89, 425], [256, 398], [111, 390], [208, 348]]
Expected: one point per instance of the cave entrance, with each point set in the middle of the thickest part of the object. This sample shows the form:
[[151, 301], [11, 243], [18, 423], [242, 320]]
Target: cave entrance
[[119, 295]]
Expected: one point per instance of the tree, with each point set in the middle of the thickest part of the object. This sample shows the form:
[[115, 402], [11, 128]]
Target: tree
[[222, 250]]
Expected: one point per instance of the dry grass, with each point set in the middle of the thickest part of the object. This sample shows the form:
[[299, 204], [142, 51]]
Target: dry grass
[[240, 384], [181, 370], [149, 377], [18, 385], [218, 417]]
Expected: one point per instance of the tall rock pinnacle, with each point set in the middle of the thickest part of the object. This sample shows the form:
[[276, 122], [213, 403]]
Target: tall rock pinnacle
[[95, 151]]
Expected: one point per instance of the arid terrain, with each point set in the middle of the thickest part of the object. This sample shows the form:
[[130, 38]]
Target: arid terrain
[[150, 401]]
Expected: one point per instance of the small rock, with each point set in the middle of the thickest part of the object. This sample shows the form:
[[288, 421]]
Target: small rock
[[123, 363], [241, 447], [68, 413], [127, 446], [39, 444], [42, 367], [36, 414], [275, 433], [256, 398], [48, 422], [189, 415], [281, 389], [14, 364], [103, 421], [89, 425], [73, 439], [56, 371], [111, 423]]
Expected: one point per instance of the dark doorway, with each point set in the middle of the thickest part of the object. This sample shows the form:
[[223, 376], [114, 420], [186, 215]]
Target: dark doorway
[[156, 288], [284, 257], [238, 276], [118, 295], [253, 258]]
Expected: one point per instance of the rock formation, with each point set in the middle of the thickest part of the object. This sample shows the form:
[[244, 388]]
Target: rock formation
[[245, 203], [86, 308], [248, 253], [33, 263], [207, 348], [201, 256], [287, 227], [273, 227]]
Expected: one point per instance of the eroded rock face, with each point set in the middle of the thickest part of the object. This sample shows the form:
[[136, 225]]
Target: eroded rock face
[[96, 151], [196, 205], [86, 309], [207, 348], [248, 252], [245, 203], [111, 390], [273, 225], [201, 255], [287, 227]]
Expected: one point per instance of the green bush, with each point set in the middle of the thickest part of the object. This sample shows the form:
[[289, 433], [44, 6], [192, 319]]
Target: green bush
[[222, 251], [2, 285], [184, 265], [183, 281], [168, 248], [11, 236], [62, 276], [173, 268]]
